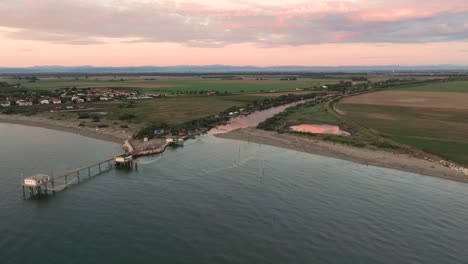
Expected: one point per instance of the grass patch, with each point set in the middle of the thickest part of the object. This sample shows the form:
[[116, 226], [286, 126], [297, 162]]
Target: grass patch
[[127, 116], [438, 131], [311, 114], [177, 110], [345, 140], [441, 86], [455, 151], [178, 85]]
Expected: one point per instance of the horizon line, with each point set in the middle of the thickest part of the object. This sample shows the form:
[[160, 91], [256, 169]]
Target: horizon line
[[230, 65]]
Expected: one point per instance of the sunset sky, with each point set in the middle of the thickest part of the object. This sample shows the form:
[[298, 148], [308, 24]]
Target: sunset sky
[[234, 32]]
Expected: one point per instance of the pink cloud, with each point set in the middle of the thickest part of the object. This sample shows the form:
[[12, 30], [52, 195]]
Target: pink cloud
[[262, 26]]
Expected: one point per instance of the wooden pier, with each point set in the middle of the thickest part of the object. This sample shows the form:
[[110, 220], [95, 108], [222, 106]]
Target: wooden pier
[[41, 184]]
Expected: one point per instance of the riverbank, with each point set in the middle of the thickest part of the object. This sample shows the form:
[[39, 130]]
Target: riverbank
[[374, 157], [107, 134], [367, 156]]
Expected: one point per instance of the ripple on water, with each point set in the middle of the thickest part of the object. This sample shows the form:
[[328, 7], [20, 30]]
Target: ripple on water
[[234, 202]]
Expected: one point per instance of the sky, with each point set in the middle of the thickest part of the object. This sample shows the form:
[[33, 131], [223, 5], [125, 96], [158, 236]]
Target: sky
[[233, 32]]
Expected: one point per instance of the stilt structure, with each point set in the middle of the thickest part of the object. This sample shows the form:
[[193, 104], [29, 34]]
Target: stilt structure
[[124, 161], [40, 184]]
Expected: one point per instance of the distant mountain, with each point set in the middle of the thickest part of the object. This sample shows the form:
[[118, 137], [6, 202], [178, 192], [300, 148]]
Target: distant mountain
[[224, 69]]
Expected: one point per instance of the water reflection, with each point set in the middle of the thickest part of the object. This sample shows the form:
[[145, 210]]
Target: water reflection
[[251, 120]]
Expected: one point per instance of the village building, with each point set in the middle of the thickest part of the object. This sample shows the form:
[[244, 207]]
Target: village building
[[23, 103], [5, 103]]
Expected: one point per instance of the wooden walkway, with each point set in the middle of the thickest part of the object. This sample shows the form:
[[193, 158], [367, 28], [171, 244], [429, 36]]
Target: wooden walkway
[[40, 184], [65, 179]]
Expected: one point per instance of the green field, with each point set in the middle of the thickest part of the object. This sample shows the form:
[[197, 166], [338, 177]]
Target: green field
[[442, 86], [171, 110], [177, 85], [177, 110], [323, 114], [438, 131], [312, 114]]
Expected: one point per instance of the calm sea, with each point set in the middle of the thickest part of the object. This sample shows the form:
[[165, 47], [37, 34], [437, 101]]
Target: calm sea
[[223, 201]]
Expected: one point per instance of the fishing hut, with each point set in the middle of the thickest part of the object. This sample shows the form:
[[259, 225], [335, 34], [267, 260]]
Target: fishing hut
[[38, 185], [175, 141], [124, 161]]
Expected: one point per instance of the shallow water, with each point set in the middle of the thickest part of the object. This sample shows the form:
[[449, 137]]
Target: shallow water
[[251, 120], [320, 129], [224, 201]]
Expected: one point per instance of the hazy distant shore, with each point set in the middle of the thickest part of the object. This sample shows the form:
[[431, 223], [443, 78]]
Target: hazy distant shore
[[378, 158], [107, 134]]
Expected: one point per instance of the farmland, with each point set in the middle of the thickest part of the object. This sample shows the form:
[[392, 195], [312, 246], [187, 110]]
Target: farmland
[[177, 110], [196, 84], [311, 114], [433, 122], [412, 111], [413, 99], [177, 85], [442, 86], [195, 113], [322, 114], [170, 110]]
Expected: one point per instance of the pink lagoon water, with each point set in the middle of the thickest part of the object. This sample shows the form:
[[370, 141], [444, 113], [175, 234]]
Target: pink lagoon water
[[320, 129]]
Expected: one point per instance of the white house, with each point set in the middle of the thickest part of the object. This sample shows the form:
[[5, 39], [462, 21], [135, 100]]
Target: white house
[[36, 180], [56, 101], [44, 102], [5, 103], [23, 103]]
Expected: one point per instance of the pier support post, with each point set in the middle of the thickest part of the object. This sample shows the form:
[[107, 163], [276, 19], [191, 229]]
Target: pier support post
[[99, 167], [78, 175], [66, 181], [89, 171], [53, 187]]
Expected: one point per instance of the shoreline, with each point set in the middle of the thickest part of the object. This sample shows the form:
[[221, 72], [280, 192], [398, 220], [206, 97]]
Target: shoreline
[[374, 157], [50, 124]]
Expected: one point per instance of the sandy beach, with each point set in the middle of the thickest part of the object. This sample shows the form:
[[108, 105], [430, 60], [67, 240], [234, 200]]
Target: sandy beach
[[373, 157], [387, 159], [108, 134]]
